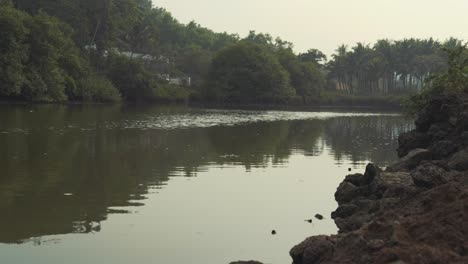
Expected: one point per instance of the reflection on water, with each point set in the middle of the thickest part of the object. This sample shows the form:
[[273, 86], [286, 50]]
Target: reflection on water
[[66, 170]]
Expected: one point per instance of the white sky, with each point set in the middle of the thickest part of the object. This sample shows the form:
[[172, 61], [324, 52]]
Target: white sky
[[325, 24]]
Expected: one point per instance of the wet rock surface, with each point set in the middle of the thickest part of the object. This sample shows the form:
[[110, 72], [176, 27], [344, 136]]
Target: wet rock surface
[[415, 211]]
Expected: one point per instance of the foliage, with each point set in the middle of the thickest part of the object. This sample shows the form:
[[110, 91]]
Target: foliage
[[130, 77], [306, 78], [388, 67], [13, 49], [97, 88], [53, 51], [453, 80], [248, 72], [40, 61], [167, 92]]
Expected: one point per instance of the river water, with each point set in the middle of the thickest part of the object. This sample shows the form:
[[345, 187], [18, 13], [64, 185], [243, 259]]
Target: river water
[[126, 184]]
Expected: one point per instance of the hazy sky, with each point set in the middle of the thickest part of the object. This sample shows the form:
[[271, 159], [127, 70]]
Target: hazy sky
[[325, 24]]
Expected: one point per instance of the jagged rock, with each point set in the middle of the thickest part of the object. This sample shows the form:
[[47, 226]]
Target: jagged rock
[[462, 123], [352, 223], [428, 175], [411, 140], [464, 138], [313, 250], [375, 244], [346, 192], [387, 179], [345, 210], [386, 203], [355, 179], [390, 182], [438, 110], [459, 161], [400, 191], [443, 149], [439, 131], [411, 160], [371, 172], [367, 204]]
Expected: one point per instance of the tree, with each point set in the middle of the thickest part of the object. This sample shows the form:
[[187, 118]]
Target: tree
[[388, 67], [306, 77], [453, 80], [312, 83], [54, 62], [13, 50], [314, 56], [248, 72]]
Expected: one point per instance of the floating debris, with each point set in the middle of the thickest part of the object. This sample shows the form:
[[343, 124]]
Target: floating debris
[[349, 169], [309, 221], [68, 194], [319, 216], [273, 232]]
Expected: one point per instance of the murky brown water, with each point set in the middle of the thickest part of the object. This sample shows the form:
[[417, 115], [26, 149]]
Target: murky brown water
[[120, 184]]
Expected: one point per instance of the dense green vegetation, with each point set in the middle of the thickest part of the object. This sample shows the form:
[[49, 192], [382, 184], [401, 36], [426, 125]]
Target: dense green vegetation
[[389, 67], [103, 50], [112, 50], [452, 80]]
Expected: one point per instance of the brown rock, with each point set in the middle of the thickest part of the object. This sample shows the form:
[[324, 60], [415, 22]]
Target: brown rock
[[411, 160], [313, 250], [428, 175], [459, 161]]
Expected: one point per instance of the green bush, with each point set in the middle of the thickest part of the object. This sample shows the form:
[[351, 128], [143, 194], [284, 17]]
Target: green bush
[[454, 80], [170, 92], [98, 89], [130, 77]]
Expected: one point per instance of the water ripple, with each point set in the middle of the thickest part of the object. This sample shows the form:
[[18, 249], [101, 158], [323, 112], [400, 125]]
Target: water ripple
[[211, 118]]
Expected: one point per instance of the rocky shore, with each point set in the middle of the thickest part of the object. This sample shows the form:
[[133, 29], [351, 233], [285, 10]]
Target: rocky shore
[[414, 211]]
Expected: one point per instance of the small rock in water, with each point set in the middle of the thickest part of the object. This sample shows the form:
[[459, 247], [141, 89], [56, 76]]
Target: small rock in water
[[319, 216], [349, 169], [273, 232]]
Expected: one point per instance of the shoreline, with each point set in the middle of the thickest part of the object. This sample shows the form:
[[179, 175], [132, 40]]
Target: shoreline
[[228, 106], [414, 211]]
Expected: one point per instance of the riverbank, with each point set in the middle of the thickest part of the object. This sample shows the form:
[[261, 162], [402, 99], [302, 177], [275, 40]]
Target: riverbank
[[327, 102], [414, 211]]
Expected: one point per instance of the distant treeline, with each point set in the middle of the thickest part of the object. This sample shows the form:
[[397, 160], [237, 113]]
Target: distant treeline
[[111, 50]]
